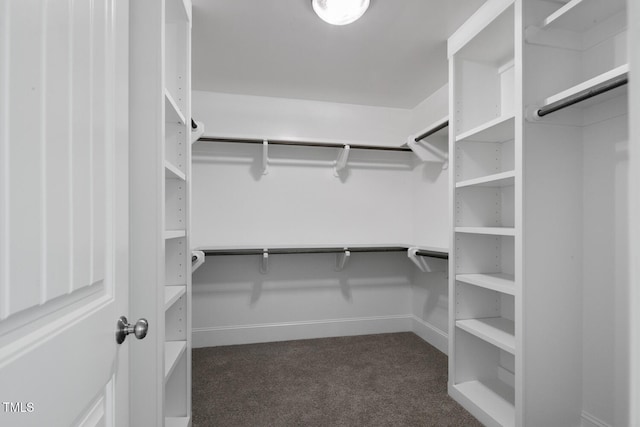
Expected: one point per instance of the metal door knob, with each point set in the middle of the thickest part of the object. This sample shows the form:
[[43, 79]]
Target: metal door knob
[[124, 328]]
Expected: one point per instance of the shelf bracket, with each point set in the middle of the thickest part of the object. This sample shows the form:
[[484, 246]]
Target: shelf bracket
[[264, 262], [265, 157], [196, 131], [428, 152], [341, 162], [341, 259], [197, 259], [426, 264]]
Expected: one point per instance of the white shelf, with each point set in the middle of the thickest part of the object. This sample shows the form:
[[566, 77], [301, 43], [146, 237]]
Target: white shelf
[[500, 129], [171, 171], [500, 282], [495, 398], [176, 421], [172, 352], [178, 10], [496, 231], [603, 78], [174, 234], [503, 179], [172, 112], [580, 15], [172, 294], [494, 330]]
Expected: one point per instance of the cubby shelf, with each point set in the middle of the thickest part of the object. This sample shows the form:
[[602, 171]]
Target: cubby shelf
[[495, 231], [172, 112], [172, 352], [579, 15], [176, 422], [494, 330], [493, 397], [172, 294], [174, 234], [171, 171], [604, 78], [503, 179], [500, 282], [500, 129]]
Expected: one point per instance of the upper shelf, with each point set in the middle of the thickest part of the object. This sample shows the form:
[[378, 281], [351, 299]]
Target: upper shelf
[[172, 112], [580, 15], [494, 44], [586, 90]]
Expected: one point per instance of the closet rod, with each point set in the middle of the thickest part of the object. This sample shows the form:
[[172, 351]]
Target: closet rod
[[303, 143], [432, 131], [432, 254], [581, 96], [284, 251]]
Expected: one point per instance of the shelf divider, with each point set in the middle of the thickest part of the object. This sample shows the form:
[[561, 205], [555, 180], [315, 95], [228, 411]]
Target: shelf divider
[[500, 282], [500, 129], [171, 171], [172, 352], [172, 112], [174, 234], [172, 293], [496, 231], [494, 330], [502, 179]]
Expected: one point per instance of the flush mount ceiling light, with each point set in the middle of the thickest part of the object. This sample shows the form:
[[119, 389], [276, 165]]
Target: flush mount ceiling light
[[340, 12]]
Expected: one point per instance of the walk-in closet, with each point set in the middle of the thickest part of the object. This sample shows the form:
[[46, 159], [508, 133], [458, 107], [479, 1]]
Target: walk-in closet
[[320, 213]]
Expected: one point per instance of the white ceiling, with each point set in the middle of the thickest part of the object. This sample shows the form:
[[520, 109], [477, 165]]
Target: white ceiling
[[394, 56]]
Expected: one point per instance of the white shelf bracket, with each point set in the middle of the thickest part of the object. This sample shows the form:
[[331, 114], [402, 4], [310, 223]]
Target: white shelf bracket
[[264, 262], [197, 132], [198, 261], [341, 162], [341, 259], [265, 157], [428, 153], [426, 264]]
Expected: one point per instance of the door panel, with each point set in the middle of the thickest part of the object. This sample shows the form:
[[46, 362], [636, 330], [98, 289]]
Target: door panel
[[63, 211]]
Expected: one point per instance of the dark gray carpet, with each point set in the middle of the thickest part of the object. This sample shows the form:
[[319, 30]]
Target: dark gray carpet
[[372, 380]]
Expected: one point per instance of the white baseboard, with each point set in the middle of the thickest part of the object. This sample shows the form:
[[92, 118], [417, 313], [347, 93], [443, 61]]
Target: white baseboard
[[589, 420], [249, 334], [431, 334]]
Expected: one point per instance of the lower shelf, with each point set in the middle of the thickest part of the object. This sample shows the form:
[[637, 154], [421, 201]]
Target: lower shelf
[[495, 330], [493, 397], [176, 421]]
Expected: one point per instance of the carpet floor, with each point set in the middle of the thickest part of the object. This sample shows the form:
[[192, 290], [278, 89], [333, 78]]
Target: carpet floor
[[372, 380]]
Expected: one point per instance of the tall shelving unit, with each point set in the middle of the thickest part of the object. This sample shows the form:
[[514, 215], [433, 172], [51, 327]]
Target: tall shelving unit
[[484, 285], [161, 204], [533, 198], [177, 166]]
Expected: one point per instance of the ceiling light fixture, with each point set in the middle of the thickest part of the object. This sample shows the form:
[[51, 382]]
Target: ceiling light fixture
[[340, 12]]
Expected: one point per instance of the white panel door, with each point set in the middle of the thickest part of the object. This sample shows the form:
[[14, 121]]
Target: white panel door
[[63, 212]]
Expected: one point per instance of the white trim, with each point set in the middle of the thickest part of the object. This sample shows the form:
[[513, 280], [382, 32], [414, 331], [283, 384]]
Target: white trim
[[431, 334], [271, 332], [589, 420]]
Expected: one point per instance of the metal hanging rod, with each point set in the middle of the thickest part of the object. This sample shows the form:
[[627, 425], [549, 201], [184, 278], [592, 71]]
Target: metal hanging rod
[[432, 254], [284, 251], [581, 96], [302, 143], [432, 131]]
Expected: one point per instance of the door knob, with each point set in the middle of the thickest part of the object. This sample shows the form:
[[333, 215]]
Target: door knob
[[124, 328]]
